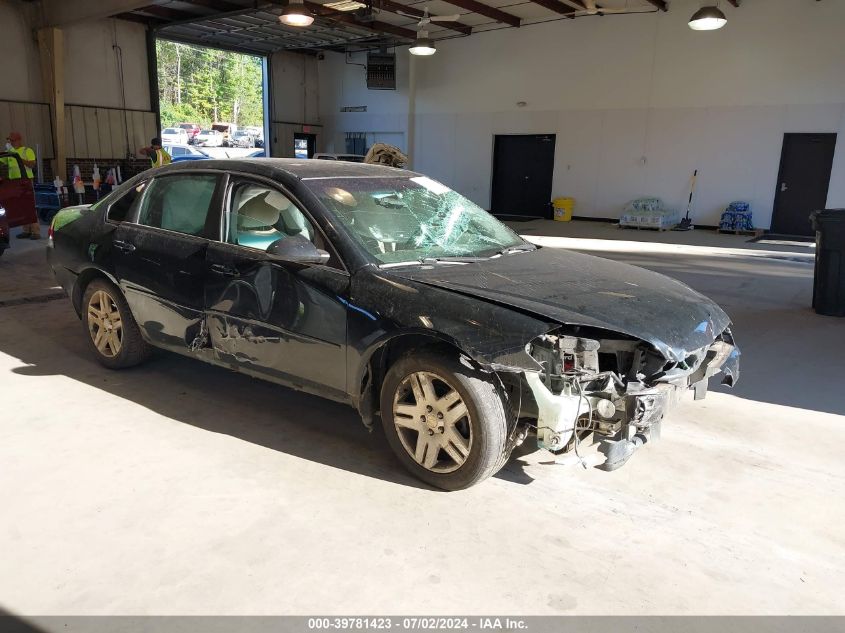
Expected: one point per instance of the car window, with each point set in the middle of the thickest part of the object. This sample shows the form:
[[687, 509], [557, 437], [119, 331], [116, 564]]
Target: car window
[[178, 203], [177, 151], [121, 209], [259, 215]]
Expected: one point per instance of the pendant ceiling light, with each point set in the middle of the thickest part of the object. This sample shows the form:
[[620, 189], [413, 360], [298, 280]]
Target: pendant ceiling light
[[424, 45], [707, 19], [296, 14]]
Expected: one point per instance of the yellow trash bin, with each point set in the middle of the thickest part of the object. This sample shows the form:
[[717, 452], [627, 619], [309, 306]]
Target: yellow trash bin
[[563, 208]]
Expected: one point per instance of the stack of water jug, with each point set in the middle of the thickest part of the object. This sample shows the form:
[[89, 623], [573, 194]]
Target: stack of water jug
[[737, 217]]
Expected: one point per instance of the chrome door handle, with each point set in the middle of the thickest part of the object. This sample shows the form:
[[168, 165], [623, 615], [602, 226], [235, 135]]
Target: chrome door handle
[[126, 247], [226, 271]]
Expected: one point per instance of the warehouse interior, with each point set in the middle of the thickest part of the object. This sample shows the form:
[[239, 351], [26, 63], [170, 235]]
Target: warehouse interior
[[637, 102], [179, 489]]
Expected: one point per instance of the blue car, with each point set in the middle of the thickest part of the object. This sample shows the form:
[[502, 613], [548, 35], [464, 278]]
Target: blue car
[[181, 153]]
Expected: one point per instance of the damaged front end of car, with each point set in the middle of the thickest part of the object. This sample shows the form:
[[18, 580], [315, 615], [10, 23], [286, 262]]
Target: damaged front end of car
[[612, 391]]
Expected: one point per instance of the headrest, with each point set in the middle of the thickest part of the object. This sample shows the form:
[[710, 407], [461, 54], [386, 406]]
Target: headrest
[[260, 211]]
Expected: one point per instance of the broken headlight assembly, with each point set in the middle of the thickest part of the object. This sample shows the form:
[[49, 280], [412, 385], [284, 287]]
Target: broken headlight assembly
[[594, 386], [616, 390]]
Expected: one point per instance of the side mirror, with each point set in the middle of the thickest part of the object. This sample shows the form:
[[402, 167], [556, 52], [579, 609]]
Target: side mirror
[[297, 249]]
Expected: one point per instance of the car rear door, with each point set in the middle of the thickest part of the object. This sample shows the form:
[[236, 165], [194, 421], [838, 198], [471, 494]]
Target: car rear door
[[160, 256], [283, 320], [17, 195]]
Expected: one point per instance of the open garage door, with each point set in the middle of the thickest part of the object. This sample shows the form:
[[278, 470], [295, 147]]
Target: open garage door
[[211, 101]]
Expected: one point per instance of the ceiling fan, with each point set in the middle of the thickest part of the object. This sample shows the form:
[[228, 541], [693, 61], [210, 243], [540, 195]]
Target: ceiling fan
[[426, 19], [424, 45], [592, 8]]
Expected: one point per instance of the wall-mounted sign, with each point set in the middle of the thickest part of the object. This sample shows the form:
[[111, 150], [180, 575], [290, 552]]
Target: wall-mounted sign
[[354, 109]]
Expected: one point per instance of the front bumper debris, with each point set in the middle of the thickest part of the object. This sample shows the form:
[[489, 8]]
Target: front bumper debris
[[620, 417]]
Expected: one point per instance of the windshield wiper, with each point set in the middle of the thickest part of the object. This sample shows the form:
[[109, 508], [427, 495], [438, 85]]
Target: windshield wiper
[[459, 259], [522, 248], [430, 261]]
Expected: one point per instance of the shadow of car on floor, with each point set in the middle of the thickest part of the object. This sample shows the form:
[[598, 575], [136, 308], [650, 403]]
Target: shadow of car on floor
[[216, 400]]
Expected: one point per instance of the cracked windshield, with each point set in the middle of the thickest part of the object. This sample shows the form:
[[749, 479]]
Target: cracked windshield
[[400, 220]]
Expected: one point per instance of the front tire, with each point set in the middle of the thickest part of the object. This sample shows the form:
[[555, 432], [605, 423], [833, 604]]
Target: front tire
[[110, 329], [445, 420]]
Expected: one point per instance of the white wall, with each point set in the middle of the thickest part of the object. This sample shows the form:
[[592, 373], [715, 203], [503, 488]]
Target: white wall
[[343, 83], [295, 101], [91, 67], [20, 77], [637, 103], [295, 88], [92, 70]]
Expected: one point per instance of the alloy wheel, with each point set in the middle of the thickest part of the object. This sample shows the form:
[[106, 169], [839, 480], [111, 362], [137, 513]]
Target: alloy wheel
[[432, 422], [105, 324]]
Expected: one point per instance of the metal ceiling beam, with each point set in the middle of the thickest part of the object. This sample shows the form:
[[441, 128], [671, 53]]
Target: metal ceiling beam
[[169, 14], [218, 5], [61, 12], [660, 4], [375, 25], [485, 10], [140, 19], [556, 6], [395, 7]]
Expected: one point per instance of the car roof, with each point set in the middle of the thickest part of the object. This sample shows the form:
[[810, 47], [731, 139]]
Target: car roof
[[298, 168]]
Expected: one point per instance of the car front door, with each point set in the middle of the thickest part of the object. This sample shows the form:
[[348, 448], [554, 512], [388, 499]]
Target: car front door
[[160, 257], [17, 196], [284, 320]]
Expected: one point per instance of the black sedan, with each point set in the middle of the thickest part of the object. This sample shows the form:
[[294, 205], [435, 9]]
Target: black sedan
[[386, 290]]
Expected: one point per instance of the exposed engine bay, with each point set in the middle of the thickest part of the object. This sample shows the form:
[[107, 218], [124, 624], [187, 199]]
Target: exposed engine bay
[[613, 392]]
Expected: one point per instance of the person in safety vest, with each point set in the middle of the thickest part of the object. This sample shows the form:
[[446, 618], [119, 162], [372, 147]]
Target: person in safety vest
[[12, 171], [157, 154]]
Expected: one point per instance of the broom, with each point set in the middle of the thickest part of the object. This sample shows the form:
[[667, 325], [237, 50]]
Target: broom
[[686, 223]]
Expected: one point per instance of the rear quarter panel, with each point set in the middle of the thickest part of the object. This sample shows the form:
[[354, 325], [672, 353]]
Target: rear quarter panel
[[81, 245]]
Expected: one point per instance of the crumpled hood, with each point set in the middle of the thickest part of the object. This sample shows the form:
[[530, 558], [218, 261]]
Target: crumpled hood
[[577, 289]]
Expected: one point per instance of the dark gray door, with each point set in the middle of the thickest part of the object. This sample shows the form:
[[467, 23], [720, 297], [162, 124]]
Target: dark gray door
[[160, 260], [523, 166], [284, 320], [804, 177]]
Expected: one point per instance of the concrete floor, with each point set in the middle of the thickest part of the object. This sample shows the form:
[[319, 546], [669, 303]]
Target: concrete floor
[[178, 488]]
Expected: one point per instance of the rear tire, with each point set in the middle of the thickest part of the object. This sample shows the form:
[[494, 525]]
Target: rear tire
[[111, 331], [444, 419]]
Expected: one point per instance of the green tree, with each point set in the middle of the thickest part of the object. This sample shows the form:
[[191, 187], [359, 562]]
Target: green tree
[[204, 85]]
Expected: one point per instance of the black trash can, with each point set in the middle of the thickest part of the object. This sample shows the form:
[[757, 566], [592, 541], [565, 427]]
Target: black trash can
[[829, 281]]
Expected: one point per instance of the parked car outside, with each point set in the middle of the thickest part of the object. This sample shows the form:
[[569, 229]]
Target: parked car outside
[[17, 199], [192, 129], [209, 138], [257, 134], [242, 138], [386, 290], [226, 129], [350, 158], [174, 136], [184, 152]]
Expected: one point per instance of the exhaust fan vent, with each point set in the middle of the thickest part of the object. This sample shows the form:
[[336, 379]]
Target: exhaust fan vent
[[381, 71]]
